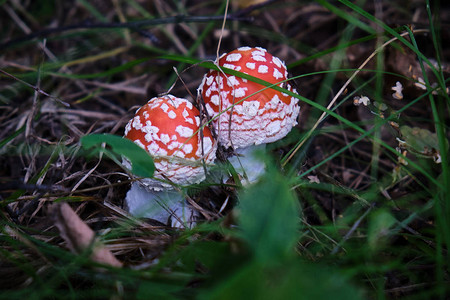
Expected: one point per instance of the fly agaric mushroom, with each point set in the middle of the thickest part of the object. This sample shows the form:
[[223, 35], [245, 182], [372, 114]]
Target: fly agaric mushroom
[[169, 129], [241, 120]]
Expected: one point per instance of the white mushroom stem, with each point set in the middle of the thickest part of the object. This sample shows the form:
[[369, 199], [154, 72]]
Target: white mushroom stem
[[161, 206], [248, 163]]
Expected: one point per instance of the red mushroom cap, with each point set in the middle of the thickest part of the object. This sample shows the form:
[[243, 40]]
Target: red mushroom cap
[[168, 128], [264, 117]]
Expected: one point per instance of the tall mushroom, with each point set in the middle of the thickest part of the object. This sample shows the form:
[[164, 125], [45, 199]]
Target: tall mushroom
[[169, 128], [240, 120]]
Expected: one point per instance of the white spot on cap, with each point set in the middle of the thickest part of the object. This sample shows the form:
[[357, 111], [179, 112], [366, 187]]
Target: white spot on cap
[[209, 79], [172, 115], [149, 137], [277, 61], [127, 128], [273, 127], [162, 152], [137, 123], [174, 145], [214, 87], [208, 92], [153, 148], [259, 54], [207, 146], [263, 69], [185, 113], [165, 138], [274, 101], [239, 92], [184, 131], [245, 48], [231, 80], [149, 128], [250, 108], [215, 99], [224, 94], [202, 85], [210, 110], [233, 57], [164, 107], [187, 148], [258, 57], [250, 65], [277, 74], [229, 66]]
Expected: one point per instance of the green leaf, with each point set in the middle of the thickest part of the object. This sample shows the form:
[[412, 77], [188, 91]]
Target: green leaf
[[380, 223], [421, 142], [291, 280], [269, 217], [141, 161]]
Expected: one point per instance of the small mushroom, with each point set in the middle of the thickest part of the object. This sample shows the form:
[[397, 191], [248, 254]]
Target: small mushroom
[[169, 129], [241, 120]]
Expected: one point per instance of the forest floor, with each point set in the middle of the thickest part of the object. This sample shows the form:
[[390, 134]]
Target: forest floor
[[371, 179]]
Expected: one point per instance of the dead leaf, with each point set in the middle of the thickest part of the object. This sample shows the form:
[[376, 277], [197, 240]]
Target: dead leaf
[[79, 236]]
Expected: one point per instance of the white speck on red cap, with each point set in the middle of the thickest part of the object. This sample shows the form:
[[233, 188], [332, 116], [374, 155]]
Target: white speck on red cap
[[184, 131], [165, 138], [277, 74], [231, 81], [209, 80], [250, 65], [164, 107], [215, 99], [239, 92], [233, 57], [172, 114], [263, 69]]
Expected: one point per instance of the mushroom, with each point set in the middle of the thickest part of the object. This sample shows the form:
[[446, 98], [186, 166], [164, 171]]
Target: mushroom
[[169, 128], [243, 121]]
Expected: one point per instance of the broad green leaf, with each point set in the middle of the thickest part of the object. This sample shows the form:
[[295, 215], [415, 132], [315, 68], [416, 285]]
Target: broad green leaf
[[141, 161], [380, 223], [269, 217], [290, 280]]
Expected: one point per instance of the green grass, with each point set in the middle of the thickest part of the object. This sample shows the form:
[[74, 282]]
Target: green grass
[[340, 212]]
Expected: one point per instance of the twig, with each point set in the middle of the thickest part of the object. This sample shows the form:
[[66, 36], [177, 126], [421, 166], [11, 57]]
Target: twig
[[37, 89]]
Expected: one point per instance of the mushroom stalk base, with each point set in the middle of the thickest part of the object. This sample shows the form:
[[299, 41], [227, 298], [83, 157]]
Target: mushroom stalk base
[[162, 206], [248, 163]]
